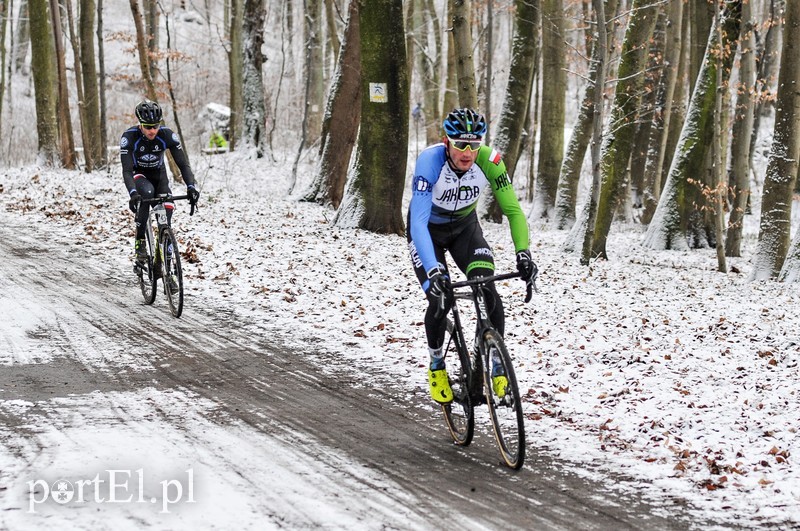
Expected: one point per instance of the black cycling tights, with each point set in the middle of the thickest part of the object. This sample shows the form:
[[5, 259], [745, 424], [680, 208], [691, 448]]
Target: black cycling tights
[[436, 328]]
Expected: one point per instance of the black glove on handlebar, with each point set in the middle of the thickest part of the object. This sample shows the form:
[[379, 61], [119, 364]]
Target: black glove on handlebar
[[193, 193], [134, 202], [439, 289], [526, 266]]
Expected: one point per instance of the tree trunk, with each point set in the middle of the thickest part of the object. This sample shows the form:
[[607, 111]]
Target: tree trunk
[[782, 168], [649, 109], [488, 71], [235, 69], [23, 37], [315, 87], [102, 85], [374, 194], [333, 35], [450, 79], [76, 56], [570, 173], [717, 195], [668, 228], [94, 149], [766, 57], [151, 15], [461, 18], [618, 138], [141, 46], [253, 106], [739, 172], [44, 81], [4, 21], [517, 98], [653, 169], [554, 90], [597, 130], [340, 128], [429, 64], [66, 141]]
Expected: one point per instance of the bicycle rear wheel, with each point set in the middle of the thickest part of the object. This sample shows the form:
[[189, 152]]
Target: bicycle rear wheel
[[505, 407], [172, 276], [147, 280], [459, 414]]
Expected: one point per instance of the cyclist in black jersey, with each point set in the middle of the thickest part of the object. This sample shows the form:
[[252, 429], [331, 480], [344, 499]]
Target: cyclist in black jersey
[[442, 217], [141, 152]]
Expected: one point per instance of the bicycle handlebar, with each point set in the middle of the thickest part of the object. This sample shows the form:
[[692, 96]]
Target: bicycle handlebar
[[166, 198], [530, 285]]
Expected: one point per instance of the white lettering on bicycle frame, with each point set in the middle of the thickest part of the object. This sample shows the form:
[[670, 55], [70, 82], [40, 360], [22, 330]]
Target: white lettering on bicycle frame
[[482, 308]]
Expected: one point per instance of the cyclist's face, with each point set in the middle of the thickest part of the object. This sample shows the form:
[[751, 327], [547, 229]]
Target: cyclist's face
[[462, 160], [149, 131]]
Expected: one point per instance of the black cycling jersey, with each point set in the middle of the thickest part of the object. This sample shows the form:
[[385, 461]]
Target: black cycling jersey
[[140, 155]]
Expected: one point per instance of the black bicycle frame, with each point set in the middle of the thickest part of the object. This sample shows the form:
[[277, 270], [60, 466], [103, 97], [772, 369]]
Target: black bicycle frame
[[479, 294]]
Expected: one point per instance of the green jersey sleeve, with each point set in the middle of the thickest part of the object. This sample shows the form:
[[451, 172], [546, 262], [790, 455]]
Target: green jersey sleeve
[[491, 162]]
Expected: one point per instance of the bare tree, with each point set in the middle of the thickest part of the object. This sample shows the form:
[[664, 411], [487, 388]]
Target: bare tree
[[235, 69], [4, 11], [93, 150], [44, 81], [253, 106], [569, 176], [739, 170], [23, 37], [374, 194], [670, 221], [340, 127], [429, 62], [653, 169], [782, 168], [66, 141], [461, 19], [553, 113], [315, 83], [600, 56], [618, 138], [517, 98]]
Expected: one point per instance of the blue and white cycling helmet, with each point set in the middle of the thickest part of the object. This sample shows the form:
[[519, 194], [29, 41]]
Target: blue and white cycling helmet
[[464, 124]]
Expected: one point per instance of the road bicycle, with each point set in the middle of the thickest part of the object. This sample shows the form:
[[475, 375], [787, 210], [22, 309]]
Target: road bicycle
[[163, 256], [471, 378]]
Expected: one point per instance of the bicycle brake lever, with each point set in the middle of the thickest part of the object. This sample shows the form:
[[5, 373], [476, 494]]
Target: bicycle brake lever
[[530, 288]]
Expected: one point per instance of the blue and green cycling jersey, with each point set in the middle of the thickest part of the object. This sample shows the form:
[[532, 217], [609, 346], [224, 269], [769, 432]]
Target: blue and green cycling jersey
[[440, 196]]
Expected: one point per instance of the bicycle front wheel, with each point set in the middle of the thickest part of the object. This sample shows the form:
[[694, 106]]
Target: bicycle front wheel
[[502, 396], [172, 272], [147, 280], [459, 414]]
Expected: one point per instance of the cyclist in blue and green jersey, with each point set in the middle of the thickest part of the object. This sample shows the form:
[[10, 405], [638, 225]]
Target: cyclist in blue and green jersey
[[448, 179]]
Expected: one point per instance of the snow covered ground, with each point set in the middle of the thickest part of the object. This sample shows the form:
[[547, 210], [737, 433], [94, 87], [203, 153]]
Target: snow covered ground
[[651, 366]]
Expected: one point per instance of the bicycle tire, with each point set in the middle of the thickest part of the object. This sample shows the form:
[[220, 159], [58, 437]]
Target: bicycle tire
[[505, 411], [460, 413], [147, 280], [171, 268]]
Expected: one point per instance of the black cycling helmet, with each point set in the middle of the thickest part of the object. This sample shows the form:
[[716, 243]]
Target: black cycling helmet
[[465, 124], [148, 112]]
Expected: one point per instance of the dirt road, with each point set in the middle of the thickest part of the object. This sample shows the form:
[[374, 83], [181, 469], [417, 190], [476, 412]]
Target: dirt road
[[72, 332]]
